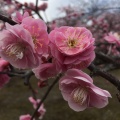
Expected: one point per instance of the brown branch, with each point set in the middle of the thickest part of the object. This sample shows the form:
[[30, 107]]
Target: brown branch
[[6, 19], [12, 74], [106, 75], [45, 95], [107, 59], [27, 77]]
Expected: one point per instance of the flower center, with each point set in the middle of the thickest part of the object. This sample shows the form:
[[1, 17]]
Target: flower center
[[80, 95], [15, 50], [36, 42], [72, 43]]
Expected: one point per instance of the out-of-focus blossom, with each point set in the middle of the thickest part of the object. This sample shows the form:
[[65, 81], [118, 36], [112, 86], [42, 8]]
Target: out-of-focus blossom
[[10, 10], [89, 23], [19, 17], [113, 38], [78, 89], [41, 110], [72, 46], [17, 47], [38, 30], [25, 117], [31, 5], [1, 25], [34, 102], [43, 6], [8, 1]]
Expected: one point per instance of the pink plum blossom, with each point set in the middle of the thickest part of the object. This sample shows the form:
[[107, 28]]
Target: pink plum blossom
[[47, 70], [25, 117], [78, 89], [34, 102], [19, 17], [32, 6], [38, 30], [41, 110], [113, 38], [16, 46], [72, 46]]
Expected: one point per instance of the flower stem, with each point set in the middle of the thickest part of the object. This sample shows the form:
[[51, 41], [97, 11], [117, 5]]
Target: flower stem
[[45, 95]]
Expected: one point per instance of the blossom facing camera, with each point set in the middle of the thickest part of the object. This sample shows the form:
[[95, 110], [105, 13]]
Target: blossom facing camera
[[16, 46], [74, 46], [78, 89]]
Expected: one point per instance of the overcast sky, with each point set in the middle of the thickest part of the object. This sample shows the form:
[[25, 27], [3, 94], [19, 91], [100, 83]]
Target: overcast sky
[[53, 5], [52, 11]]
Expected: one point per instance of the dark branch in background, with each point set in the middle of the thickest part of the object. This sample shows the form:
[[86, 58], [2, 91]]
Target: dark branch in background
[[45, 95], [107, 59], [6, 19], [13, 74], [102, 43], [36, 7], [105, 75]]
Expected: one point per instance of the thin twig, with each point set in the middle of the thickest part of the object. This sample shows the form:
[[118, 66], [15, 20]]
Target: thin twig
[[33, 91], [36, 11], [27, 77], [11, 73], [45, 95], [6, 19], [107, 59], [36, 7]]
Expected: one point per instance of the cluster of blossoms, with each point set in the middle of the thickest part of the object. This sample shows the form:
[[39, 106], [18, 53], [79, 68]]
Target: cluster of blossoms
[[27, 45], [40, 113], [113, 39]]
